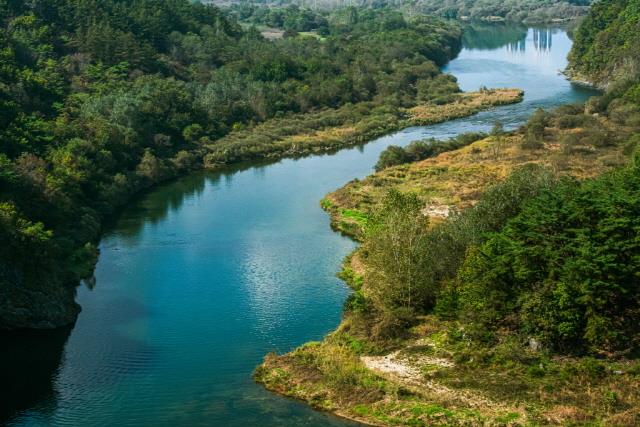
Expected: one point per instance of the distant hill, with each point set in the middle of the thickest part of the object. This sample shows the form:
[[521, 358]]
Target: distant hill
[[607, 44]]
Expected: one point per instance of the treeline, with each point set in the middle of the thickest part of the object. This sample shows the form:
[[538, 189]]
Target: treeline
[[299, 14], [530, 11], [293, 18], [290, 18], [102, 98], [548, 260], [394, 155]]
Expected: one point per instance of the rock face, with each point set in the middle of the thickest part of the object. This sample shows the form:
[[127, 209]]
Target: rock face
[[49, 305]]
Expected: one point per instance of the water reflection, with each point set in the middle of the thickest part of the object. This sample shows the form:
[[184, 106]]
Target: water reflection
[[483, 36], [542, 39], [153, 207], [518, 46]]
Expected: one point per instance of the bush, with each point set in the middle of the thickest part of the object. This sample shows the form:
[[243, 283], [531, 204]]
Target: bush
[[399, 270], [424, 149]]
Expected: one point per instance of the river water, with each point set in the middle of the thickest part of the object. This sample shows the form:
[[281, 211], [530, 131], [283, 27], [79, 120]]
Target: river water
[[200, 278]]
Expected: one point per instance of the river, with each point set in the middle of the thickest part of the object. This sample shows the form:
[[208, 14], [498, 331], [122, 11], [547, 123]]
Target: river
[[201, 277]]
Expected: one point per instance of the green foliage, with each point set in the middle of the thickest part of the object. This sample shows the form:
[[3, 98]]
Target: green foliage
[[606, 44], [534, 130], [531, 11], [424, 149], [396, 239], [565, 269]]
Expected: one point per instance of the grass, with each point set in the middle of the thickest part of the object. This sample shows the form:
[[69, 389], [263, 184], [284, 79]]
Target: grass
[[455, 180], [505, 385], [435, 375], [470, 101]]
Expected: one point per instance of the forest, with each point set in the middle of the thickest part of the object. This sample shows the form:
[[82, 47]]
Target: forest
[[100, 99], [298, 16]]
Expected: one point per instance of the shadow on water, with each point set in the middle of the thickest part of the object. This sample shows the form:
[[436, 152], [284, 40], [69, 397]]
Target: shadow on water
[[152, 206], [29, 361]]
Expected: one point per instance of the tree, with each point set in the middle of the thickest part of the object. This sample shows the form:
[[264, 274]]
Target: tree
[[396, 247]]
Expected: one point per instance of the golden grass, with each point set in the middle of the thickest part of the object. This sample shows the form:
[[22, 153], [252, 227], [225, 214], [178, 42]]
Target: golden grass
[[468, 103], [456, 179], [332, 129]]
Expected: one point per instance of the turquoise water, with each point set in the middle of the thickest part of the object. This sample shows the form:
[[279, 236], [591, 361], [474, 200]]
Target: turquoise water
[[200, 278]]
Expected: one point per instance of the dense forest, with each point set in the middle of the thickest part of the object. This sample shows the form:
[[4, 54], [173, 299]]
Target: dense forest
[[607, 47], [510, 10], [102, 98], [278, 14]]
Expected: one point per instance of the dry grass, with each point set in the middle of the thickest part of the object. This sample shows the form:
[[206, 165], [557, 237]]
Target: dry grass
[[468, 102], [332, 129], [456, 179]]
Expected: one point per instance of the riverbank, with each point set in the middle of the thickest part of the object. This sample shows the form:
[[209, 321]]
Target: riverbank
[[435, 378], [455, 180], [292, 136], [435, 375], [328, 130]]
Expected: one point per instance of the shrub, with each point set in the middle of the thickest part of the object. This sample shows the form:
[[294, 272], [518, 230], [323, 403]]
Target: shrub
[[565, 268], [423, 149]]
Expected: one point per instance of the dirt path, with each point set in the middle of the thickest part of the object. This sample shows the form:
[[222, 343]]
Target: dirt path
[[408, 367]]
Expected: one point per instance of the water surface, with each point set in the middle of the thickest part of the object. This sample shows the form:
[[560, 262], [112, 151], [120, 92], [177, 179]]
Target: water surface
[[200, 278]]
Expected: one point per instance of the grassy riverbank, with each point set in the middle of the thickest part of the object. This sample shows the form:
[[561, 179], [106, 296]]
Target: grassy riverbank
[[455, 180], [435, 373], [435, 377], [328, 130]]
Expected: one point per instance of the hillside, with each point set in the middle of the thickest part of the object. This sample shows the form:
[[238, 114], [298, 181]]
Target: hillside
[[607, 47]]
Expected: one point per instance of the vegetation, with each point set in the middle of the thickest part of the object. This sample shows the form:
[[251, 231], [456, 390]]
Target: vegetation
[[289, 15], [329, 129], [102, 98], [606, 47], [423, 149], [524, 296], [535, 255], [518, 303], [564, 270], [529, 11], [438, 377]]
